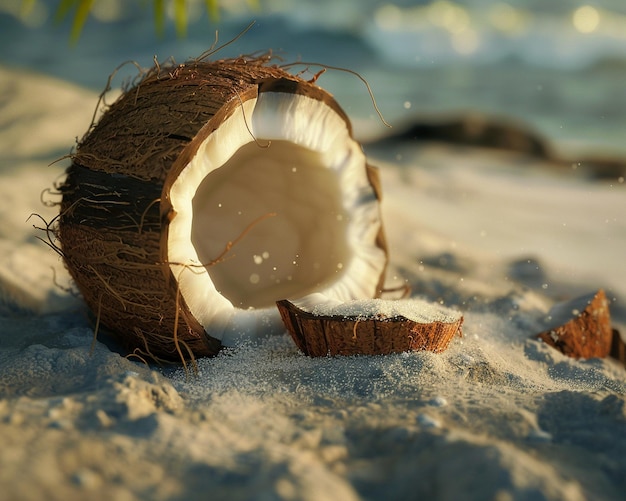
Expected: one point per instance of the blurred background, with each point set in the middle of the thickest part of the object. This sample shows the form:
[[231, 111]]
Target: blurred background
[[559, 66]]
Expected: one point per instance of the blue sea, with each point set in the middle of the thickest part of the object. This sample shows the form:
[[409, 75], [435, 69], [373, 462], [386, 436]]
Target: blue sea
[[558, 67]]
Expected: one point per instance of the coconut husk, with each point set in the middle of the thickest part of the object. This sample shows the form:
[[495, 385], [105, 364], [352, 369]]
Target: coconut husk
[[115, 210], [581, 328], [323, 335]]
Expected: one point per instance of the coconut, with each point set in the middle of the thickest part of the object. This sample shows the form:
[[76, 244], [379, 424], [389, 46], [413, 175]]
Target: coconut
[[210, 190]]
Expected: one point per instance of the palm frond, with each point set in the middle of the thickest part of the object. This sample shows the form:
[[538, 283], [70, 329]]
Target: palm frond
[[159, 16], [82, 8], [180, 17], [213, 9], [27, 7], [63, 9], [82, 11]]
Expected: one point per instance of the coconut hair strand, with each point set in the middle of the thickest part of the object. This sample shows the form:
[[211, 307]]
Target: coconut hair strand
[[346, 70]]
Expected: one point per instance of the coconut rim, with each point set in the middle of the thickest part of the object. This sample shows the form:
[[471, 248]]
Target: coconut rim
[[277, 109]]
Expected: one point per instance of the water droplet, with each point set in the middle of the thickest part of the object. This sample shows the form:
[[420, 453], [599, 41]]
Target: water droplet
[[265, 255], [257, 259], [539, 435], [255, 278], [438, 401], [428, 422], [407, 105], [339, 266]]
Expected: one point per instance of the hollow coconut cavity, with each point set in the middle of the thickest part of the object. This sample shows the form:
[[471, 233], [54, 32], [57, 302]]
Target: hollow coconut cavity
[[207, 193], [284, 179]]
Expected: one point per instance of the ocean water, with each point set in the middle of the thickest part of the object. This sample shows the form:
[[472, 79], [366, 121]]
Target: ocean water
[[557, 67]]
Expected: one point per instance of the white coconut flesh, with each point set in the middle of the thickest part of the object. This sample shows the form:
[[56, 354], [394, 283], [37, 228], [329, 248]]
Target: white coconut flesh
[[284, 181]]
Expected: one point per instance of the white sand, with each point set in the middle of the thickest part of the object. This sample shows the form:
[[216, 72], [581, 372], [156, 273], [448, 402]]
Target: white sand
[[497, 416], [416, 309]]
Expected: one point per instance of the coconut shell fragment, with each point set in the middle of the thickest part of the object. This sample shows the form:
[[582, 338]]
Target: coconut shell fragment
[[618, 348], [372, 332], [580, 328]]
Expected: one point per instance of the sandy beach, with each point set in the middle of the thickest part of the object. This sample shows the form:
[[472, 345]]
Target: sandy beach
[[499, 415]]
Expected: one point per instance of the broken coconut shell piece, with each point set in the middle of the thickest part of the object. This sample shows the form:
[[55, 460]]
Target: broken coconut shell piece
[[368, 327], [618, 348], [208, 191], [580, 328]]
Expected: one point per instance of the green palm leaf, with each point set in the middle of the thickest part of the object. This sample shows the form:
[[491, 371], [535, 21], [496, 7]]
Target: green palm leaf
[[82, 11], [213, 9], [180, 17], [159, 16], [82, 8], [27, 7]]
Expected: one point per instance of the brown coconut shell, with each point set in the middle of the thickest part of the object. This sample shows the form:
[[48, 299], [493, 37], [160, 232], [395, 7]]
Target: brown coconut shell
[[618, 348], [324, 335], [581, 327], [115, 210]]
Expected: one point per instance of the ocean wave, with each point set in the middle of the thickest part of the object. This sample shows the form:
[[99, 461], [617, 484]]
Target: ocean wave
[[442, 33]]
